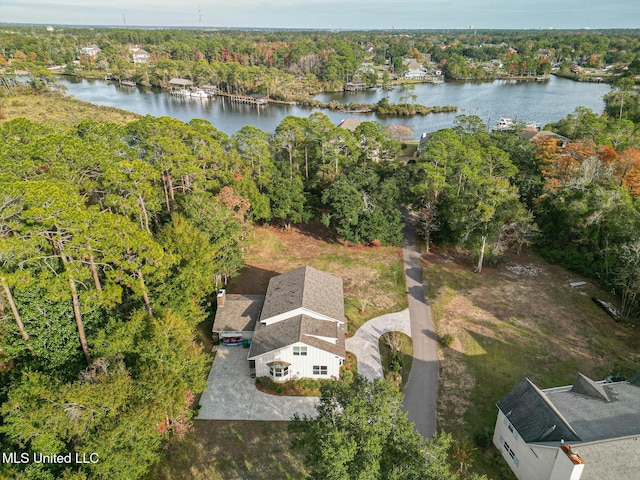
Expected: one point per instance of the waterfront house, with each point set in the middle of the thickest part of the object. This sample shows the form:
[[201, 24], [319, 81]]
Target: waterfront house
[[301, 330], [91, 51], [585, 431], [139, 55]]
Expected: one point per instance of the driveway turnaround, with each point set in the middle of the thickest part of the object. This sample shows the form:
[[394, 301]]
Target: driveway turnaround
[[364, 344], [231, 393]]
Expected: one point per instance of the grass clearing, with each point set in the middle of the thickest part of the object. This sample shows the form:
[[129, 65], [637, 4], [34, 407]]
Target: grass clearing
[[518, 319], [373, 276], [222, 450], [55, 107]]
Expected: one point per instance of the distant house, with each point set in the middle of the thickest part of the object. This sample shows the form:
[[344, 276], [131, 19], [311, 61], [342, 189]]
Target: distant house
[[585, 431], [139, 55], [355, 86], [301, 330], [541, 135], [91, 51], [350, 124]]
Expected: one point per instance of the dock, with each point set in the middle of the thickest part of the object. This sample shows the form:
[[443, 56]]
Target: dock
[[249, 99]]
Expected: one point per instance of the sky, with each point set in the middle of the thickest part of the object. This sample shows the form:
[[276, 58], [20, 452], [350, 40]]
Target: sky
[[330, 14]]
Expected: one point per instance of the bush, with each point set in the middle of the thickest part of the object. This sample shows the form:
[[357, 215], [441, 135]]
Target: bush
[[483, 439], [446, 339]]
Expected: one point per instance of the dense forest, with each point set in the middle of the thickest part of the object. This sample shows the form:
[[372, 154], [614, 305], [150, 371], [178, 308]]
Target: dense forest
[[113, 238], [290, 65]]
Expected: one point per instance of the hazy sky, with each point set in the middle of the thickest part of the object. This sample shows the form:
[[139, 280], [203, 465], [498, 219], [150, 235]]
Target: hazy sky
[[335, 14]]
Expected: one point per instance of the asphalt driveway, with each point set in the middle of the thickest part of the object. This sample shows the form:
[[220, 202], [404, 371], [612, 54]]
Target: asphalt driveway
[[231, 393]]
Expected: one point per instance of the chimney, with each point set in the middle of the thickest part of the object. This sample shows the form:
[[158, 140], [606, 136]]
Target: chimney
[[222, 296]]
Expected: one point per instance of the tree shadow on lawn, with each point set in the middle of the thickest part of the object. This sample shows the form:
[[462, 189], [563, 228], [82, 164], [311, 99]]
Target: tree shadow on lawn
[[251, 280], [318, 231]]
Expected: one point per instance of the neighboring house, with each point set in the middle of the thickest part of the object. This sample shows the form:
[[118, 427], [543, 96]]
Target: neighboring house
[[139, 55], [542, 135], [350, 124], [301, 331], [586, 431], [91, 51]]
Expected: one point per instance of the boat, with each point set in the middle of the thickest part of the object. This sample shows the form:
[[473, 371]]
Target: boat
[[128, 83], [504, 125], [183, 92], [199, 93]]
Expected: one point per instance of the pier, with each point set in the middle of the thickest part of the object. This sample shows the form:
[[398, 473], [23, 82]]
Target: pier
[[250, 99]]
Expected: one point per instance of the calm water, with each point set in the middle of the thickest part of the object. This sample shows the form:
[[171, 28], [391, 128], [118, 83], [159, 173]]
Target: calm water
[[542, 102]]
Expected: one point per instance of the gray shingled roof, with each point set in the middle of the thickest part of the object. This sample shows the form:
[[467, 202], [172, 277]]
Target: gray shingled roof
[[239, 313], [585, 386], [300, 328], [535, 418], [595, 418], [305, 287]]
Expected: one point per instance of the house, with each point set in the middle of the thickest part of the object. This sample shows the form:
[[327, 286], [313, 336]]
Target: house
[[139, 55], [585, 431], [301, 330], [540, 136], [91, 51], [350, 124]]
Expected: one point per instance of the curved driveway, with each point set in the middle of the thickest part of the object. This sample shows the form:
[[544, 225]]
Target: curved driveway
[[364, 344], [421, 391]]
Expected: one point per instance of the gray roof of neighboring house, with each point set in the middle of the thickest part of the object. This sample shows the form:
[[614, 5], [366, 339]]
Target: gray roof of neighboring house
[[534, 416], [239, 313], [306, 288], [300, 328], [587, 411], [612, 411]]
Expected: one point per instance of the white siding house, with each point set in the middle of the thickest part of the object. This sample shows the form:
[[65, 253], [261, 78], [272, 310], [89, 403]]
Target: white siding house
[[586, 431], [300, 333]]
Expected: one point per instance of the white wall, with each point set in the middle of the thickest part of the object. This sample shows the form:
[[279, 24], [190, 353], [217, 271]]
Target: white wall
[[301, 365], [529, 462]]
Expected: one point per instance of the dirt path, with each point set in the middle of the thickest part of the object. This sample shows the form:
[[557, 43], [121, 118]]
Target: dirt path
[[420, 394]]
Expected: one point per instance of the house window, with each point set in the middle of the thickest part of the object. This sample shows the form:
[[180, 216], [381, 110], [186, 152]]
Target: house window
[[300, 351], [320, 370], [278, 370], [511, 453], [511, 428]]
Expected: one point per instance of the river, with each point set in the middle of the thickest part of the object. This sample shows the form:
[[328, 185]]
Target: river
[[541, 102]]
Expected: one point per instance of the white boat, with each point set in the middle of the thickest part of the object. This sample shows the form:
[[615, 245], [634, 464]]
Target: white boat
[[128, 83], [504, 124], [199, 93], [183, 92]]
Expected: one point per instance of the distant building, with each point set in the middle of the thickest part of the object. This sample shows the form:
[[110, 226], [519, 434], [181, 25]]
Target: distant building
[[350, 124], [91, 51], [585, 431], [139, 55]]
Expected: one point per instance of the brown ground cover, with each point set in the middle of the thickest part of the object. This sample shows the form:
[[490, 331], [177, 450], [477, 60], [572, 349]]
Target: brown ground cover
[[518, 319]]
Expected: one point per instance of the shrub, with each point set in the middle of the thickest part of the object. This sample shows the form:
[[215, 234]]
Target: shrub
[[482, 439], [446, 339]]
